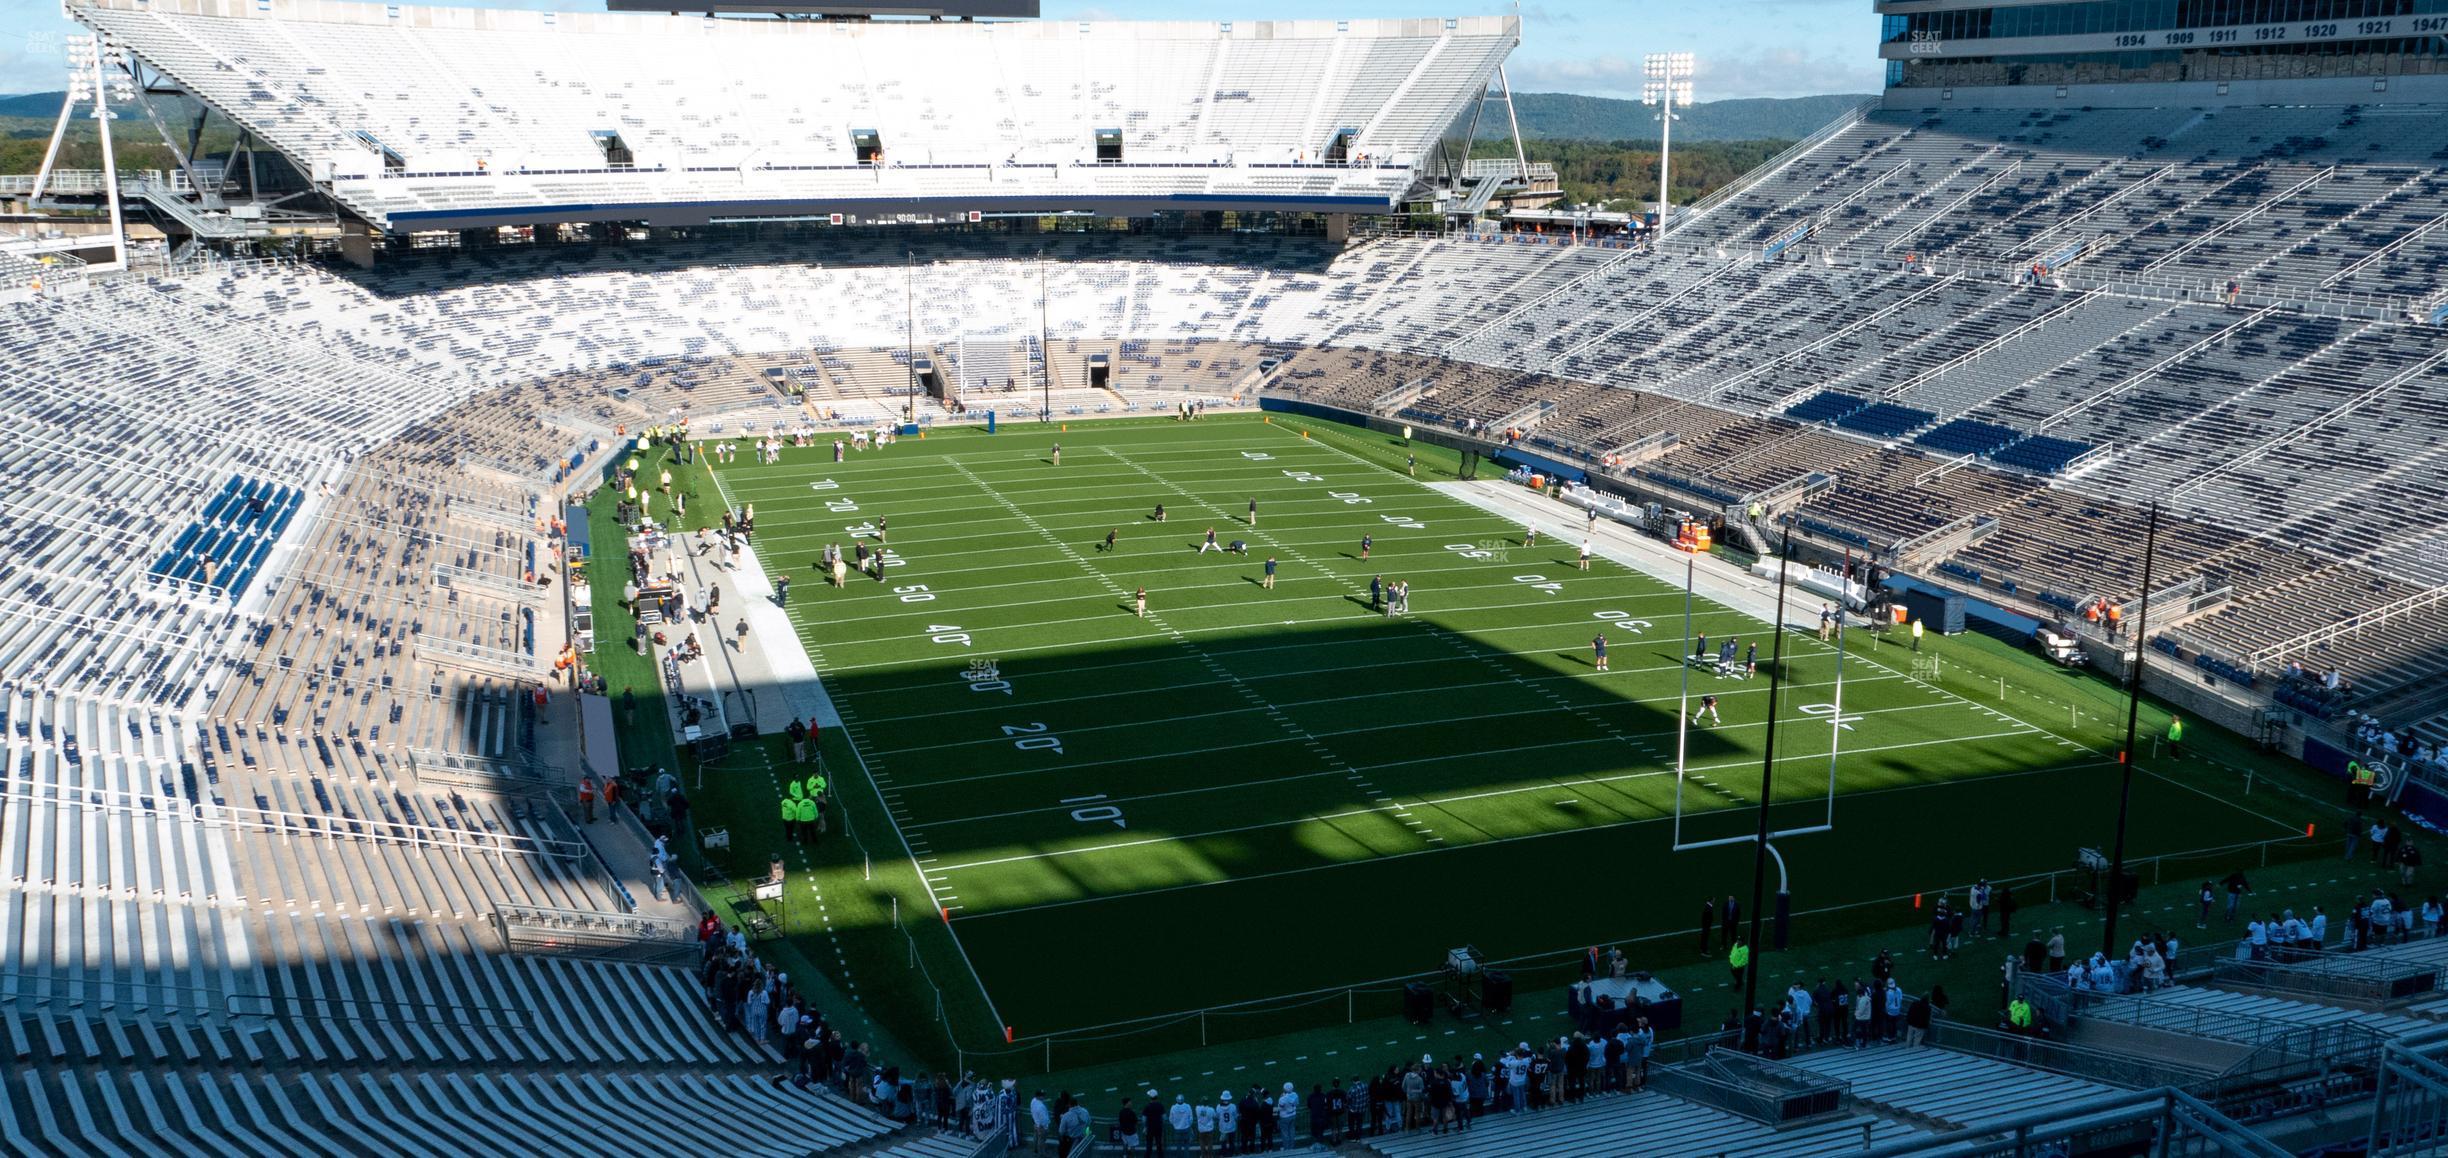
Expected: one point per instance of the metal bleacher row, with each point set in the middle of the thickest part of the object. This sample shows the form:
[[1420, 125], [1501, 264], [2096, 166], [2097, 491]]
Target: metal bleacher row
[[2072, 400], [248, 881], [436, 111], [583, 1111], [240, 830], [1646, 1123], [2245, 1060], [227, 546]]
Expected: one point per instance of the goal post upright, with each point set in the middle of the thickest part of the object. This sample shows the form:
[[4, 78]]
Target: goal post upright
[[1767, 794], [1682, 767]]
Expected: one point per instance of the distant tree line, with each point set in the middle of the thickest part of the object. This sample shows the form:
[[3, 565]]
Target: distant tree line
[[1624, 174], [23, 139], [1618, 174]]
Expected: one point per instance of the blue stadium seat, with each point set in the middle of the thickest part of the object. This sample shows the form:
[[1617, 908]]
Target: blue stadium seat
[[2042, 454], [1886, 420], [1966, 436], [1825, 406]]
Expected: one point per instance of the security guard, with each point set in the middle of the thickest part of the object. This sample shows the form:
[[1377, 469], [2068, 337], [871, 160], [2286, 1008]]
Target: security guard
[[2362, 781], [1738, 959], [1916, 636], [2019, 1016], [790, 816], [2175, 736]]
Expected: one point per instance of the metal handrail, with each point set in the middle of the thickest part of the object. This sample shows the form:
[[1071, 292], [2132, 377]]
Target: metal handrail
[[2064, 1057], [228, 1000], [1769, 168], [631, 924], [382, 831]]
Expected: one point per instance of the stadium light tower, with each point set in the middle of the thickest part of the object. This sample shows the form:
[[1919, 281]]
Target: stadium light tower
[[1668, 86], [98, 73]]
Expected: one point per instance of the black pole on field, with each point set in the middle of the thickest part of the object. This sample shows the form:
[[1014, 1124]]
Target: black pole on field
[[1759, 854], [909, 347], [2133, 725], [1045, 343]]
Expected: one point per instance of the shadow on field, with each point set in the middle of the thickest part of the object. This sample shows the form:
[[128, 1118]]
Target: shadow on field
[[1353, 798]]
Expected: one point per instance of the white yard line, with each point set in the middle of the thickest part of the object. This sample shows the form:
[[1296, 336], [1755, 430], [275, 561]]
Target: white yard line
[[1548, 787], [1223, 674]]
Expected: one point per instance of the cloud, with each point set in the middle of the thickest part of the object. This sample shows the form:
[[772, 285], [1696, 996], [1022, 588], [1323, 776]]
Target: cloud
[[1589, 75], [1786, 72], [30, 62], [1546, 14]]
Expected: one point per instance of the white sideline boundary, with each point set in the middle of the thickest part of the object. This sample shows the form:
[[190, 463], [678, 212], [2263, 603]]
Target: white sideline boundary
[[786, 652]]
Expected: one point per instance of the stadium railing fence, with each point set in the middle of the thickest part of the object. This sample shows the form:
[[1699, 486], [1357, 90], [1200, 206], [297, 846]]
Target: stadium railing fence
[[1383, 997]]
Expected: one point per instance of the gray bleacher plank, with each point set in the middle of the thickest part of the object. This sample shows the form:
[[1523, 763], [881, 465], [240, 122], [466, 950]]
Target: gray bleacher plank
[[489, 1032], [365, 1098], [82, 1027], [123, 1048], [419, 1096], [155, 1050], [13, 1131], [172, 1127], [568, 1046], [676, 1000], [646, 1039], [143, 1129], [89, 1132], [632, 1098], [285, 1123], [498, 1097], [842, 1122], [645, 1101], [186, 1118], [334, 1109], [439, 1034], [185, 1041]]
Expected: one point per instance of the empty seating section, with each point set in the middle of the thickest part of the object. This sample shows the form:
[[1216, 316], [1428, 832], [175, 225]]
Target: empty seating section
[[118, 894], [2281, 201], [1647, 1122], [440, 111], [1886, 420], [219, 847], [2229, 413], [1966, 436], [2251, 1017], [433, 1112], [1825, 406], [275, 575], [227, 546], [1946, 1088]]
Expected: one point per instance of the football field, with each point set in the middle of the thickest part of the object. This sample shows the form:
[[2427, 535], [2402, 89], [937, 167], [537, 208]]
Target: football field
[[1259, 791]]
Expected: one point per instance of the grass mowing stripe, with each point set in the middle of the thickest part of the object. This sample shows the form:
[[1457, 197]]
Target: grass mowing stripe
[[1119, 845], [1221, 628], [1490, 794], [1375, 669], [1248, 733]]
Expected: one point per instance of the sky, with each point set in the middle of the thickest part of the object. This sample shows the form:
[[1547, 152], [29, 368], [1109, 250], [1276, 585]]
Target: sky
[[1745, 48]]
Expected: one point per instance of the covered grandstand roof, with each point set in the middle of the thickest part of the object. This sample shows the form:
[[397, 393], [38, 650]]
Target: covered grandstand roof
[[446, 118]]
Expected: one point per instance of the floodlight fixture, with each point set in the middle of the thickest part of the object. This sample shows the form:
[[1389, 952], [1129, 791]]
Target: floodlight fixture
[[1669, 87]]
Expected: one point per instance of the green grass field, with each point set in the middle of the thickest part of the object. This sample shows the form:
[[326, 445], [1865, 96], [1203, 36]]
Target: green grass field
[[1254, 793]]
